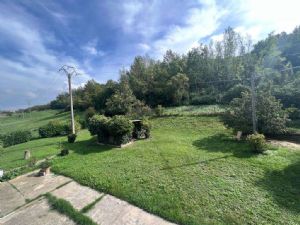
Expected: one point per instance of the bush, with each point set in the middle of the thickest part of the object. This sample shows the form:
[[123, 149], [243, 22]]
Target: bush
[[257, 142], [202, 99], [98, 124], [271, 118], [116, 130], [72, 138], [159, 110], [45, 164], [16, 137], [120, 128], [64, 152], [54, 128], [89, 113]]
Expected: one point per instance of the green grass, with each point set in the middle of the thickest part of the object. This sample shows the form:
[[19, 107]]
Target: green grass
[[64, 207], [13, 156], [294, 126], [194, 110], [29, 121], [191, 172]]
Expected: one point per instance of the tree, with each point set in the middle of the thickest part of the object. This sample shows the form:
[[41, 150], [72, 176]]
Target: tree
[[271, 118], [178, 89]]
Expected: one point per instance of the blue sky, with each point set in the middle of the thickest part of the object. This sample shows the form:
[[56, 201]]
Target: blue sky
[[101, 37]]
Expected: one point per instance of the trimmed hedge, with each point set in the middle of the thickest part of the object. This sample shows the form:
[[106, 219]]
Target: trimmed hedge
[[116, 130], [16, 137]]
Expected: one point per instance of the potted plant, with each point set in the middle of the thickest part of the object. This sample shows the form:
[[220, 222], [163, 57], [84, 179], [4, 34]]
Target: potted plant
[[45, 168]]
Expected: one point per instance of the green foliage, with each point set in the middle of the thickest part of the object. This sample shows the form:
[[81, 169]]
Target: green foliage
[[234, 92], [120, 128], [159, 110], [64, 152], [257, 142], [8, 175], [121, 102], [204, 149], [271, 118], [54, 128], [15, 137], [116, 130], [45, 164], [89, 112], [71, 138], [98, 124], [294, 113]]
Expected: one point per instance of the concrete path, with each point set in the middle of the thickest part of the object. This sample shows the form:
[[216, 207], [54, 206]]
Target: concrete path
[[22, 203]]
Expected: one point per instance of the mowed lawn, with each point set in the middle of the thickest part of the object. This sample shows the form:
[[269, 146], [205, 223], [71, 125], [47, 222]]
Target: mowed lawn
[[30, 121], [192, 172]]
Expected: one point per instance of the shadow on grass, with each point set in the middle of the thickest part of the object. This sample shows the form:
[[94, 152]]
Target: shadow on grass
[[224, 143], [284, 186], [86, 146]]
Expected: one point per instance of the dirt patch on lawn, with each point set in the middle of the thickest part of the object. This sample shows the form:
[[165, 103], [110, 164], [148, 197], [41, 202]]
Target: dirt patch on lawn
[[285, 144]]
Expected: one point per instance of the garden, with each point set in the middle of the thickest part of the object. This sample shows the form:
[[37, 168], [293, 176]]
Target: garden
[[196, 174]]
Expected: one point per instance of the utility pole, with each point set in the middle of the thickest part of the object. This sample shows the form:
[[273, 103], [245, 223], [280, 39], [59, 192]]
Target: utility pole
[[70, 71], [253, 103]]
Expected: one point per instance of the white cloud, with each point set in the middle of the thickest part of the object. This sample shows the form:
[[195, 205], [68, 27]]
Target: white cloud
[[258, 18], [143, 47], [200, 22], [91, 48], [33, 74], [130, 11]]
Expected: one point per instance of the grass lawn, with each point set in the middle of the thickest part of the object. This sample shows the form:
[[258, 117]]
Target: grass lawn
[[194, 110], [12, 157], [29, 121], [189, 172]]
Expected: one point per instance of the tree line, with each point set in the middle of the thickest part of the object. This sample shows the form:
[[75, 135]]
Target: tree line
[[211, 73]]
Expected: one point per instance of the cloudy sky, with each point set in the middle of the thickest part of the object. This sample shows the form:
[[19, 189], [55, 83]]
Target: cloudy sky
[[100, 37]]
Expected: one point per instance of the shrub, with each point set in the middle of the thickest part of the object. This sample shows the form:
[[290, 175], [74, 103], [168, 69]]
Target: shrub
[[64, 152], [89, 113], [120, 128], [159, 110], [45, 164], [271, 118], [54, 128], [16, 137], [257, 142], [139, 110], [71, 138], [98, 124]]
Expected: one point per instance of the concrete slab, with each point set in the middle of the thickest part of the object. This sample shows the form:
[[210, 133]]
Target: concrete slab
[[113, 211], [36, 213], [79, 196], [10, 199], [31, 185]]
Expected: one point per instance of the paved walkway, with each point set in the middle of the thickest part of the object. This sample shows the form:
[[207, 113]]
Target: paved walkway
[[21, 203]]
